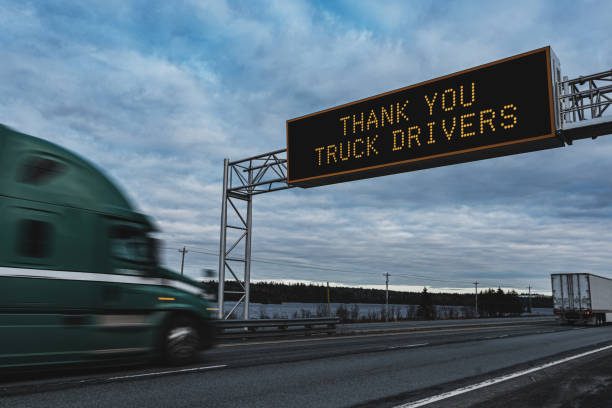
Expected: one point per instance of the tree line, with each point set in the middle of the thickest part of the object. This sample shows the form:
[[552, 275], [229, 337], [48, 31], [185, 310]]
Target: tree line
[[491, 302]]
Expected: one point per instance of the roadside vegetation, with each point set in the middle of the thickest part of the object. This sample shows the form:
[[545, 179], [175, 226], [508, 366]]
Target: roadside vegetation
[[422, 305]]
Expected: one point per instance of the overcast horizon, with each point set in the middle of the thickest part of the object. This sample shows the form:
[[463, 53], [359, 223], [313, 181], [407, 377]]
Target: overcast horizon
[[157, 94]]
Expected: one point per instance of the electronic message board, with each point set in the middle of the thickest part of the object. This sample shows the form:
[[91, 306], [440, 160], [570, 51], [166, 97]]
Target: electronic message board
[[501, 108]]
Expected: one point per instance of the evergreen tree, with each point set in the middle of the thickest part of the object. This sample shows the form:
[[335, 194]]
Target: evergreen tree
[[490, 302], [426, 309]]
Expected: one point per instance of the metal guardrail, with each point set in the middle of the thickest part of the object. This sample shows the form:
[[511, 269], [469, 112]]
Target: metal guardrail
[[242, 329]]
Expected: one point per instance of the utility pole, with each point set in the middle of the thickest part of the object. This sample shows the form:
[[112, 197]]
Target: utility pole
[[183, 252], [328, 305], [476, 298], [529, 287], [386, 275]]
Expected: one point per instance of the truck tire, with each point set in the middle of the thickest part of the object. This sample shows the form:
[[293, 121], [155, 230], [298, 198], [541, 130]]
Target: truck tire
[[181, 341]]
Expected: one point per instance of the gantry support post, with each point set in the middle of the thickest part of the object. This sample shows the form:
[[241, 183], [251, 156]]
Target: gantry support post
[[247, 254], [243, 179], [222, 242]]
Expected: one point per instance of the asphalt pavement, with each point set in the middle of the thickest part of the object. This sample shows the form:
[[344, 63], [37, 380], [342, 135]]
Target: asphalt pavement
[[371, 369]]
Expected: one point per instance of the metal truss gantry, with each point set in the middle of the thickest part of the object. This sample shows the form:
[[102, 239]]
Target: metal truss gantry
[[582, 103], [242, 180]]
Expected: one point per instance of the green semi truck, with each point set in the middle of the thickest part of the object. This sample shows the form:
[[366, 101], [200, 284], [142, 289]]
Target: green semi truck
[[80, 278]]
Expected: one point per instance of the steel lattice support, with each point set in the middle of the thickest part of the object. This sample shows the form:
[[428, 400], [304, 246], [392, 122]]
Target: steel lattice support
[[242, 180], [583, 101]]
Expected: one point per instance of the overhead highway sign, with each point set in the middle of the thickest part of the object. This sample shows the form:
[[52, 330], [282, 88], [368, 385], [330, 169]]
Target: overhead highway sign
[[501, 108]]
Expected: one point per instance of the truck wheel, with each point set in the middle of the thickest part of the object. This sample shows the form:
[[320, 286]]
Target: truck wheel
[[181, 341]]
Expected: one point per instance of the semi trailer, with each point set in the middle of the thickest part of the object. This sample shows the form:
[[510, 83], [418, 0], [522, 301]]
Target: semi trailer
[[582, 298]]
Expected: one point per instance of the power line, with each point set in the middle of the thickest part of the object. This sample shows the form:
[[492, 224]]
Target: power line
[[325, 268], [346, 271], [529, 287], [476, 299], [183, 252], [386, 275]]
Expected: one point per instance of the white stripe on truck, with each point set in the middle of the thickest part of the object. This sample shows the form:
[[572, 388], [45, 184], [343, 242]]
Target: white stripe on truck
[[96, 277]]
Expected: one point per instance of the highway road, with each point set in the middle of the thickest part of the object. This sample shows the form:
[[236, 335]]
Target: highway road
[[375, 369]]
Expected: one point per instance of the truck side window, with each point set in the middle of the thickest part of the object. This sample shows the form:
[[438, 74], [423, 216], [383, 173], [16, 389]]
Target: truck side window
[[35, 238], [129, 244], [39, 170]]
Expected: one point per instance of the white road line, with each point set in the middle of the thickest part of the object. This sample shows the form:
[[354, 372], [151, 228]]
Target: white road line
[[492, 381], [357, 336], [160, 373], [407, 346]]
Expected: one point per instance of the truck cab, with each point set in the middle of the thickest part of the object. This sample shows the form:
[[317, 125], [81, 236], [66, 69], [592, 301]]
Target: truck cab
[[80, 278]]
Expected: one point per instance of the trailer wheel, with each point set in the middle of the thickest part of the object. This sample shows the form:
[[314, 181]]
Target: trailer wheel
[[597, 319], [181, 341]]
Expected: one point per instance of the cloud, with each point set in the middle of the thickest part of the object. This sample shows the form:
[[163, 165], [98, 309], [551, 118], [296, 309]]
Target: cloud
[[159, 94]]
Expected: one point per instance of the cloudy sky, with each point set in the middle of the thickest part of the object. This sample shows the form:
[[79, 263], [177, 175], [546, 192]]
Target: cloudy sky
[[158, 93]]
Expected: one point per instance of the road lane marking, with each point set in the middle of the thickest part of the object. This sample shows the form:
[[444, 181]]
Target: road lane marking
[[407, 346], [492, 381], [395, 333], [160, 373]]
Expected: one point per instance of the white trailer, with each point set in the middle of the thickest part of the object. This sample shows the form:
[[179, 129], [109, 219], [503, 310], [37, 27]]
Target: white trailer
[[582, 298]]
